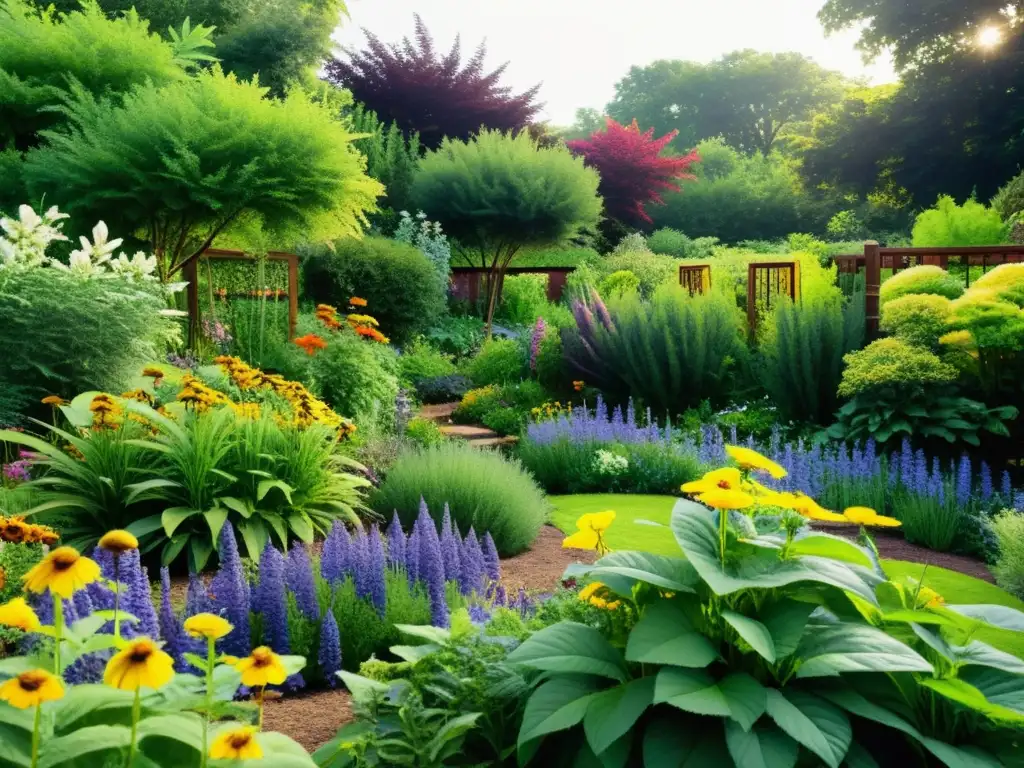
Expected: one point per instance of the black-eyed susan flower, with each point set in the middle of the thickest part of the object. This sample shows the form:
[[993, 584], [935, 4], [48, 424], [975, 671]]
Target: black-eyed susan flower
[[262, 667], [13, 530], [207, 625], [718, 498], [119, 542], [140, 663], [31, 688], [752, 461], [19, 614], [63, 571], [727, 479], [236, 744]]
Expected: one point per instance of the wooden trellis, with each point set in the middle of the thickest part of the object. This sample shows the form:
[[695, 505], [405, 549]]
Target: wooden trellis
[[767, 281], [695, 278]]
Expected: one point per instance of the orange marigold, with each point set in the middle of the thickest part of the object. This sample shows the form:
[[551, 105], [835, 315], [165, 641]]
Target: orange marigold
[[311, 343], [355, 301]]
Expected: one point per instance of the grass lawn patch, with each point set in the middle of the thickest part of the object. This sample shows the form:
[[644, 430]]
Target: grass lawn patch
[[625, 533]]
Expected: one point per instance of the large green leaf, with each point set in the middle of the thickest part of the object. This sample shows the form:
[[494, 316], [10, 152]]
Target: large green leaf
[[174, 739], [665, 635], [968, 696], [754, 567], [1000, 688], [737, 696], [216, 518], [763, 746], [265, 486], [786, 621], [612, 713], [753, 632], [982, 654], [254, 534], [571, 648], [15, 745], [299, 524], [828, 545], [996, 615], [669, 743], [556, 705], [812, 721], [84, 744], [83, 701], [172, 517], [832, 649], [145, 525], [622, 570], [448, 737]]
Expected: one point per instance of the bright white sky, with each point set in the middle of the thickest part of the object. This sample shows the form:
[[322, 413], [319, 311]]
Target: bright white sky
[[579, 49]]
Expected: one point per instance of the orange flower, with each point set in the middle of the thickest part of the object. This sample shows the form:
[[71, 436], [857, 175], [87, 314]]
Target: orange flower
[[311, 343], [355, 301], [578, 386], [53, 400], [372, 333]]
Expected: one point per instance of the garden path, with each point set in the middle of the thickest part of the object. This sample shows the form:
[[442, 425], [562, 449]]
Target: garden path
[[477, 436]]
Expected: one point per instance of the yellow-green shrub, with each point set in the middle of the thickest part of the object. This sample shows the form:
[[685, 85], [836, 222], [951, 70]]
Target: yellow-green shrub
[[1006, 280], [892, 362], [923, 279], [622, 281], [917, 318]]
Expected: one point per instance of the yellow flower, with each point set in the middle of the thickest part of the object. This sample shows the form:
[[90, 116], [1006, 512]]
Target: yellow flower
[[228, 659], [118, 542], [236, 744], [261, 667], [722, 499], [728, 479], [19, 614], [590, 533], [810, 509], [32, 688], [867, 516], [207, 625], [754, 461], [590, 590], [14, 530], [930, 598], [139, 664], [54, 400], [63, 572]]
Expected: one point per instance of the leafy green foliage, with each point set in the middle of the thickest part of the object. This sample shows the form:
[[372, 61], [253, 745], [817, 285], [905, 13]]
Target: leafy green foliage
[[459, 335], [719, 634], [671, 352], [917, 318], [651, 270], [1009, 565], [523, 299], [497, 194], [182, 163], [482, 488], [1009, 200], [391, 158], [61, 335], [671, 242], [399, 283], [802, 355], [619, 282], [948, 224], [892, 363], [424, 432], [923, 279], [442, 389], [500, 361], [420, 360]]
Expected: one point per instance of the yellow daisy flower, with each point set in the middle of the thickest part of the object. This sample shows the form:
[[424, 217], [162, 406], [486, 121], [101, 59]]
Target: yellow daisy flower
[[868, 516], [139, 664], [118, 542], [722, 499], [728, 479], [236, 744], [261, 667], [810, 509], [207, 625], [19, 614], [754, 461], [63, 572], [32, 688], [591, 528]]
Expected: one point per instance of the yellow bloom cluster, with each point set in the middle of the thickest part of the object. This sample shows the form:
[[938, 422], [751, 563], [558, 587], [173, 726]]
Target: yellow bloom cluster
[[597, 595], [306, 409], [590, 532], [14, 530], [199, 395], [105, 412], [549, 411], [471, 397]]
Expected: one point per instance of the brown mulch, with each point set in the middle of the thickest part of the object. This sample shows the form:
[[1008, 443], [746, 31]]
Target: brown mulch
[[892, 546], [311, 719]]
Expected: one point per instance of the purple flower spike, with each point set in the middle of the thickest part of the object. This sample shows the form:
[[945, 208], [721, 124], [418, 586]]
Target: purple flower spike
[[986, 481], [335, 553], [397, 546], [299, 577], [375, 566], [412, 555], [432, 572], [229, 593], [171, 631], [492, 565], [330, 649], [450, 547], [473, 569], [272, 602], [358, 557]]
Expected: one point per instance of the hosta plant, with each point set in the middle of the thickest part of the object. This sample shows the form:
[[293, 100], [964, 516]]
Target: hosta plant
[[769, 651]]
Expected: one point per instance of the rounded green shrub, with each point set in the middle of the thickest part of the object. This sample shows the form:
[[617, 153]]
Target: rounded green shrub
[[424, 432], [917, 318], [924, 279], [948, 224], [523, 298], [420, 360], [500, 361], [619, 282], [1006, 281], [892, 362], [400, 285], [483, 489], [651, 269]]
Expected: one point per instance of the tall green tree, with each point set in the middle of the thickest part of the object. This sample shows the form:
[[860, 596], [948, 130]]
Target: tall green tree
[[747, 97], [499, 193], [391, 158], [181, 164]]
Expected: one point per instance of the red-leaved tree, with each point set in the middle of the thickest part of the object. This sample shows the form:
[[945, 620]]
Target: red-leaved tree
[[633, 170], [433, 95]]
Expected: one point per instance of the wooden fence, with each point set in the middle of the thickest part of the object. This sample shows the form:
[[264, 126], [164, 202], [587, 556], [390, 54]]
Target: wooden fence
[[876, 258], [466, 281], [191, 274]]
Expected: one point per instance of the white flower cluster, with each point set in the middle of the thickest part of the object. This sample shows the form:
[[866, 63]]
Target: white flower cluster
[[608, 463], [25, 240], [428, 237]]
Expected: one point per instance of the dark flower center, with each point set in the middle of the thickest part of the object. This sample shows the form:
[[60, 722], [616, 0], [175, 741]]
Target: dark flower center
[[63, 563], [724, 485], [30, 684], [240, 740], [140, 655]]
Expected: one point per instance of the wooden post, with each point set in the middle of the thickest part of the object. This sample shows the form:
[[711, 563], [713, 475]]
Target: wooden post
[[873, 283], [293, 294], [190, 272]]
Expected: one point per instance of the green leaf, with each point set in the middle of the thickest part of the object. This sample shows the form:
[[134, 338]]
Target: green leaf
[[982, 654], [763, 746], [665, 635], [998, 687], [414, 653], [15, 745], [737, 696], [236, 505], [452, 729], [266, 486], [172, 517], [753, 632], [967, 695], [832, 649], [254, 534], [184, 729], [622, 570], [828, 545], [363, 688], [556, 705], [786, 621], [612, 713], [85, 741], [813, 722], [996, 615], [135, 490], [82, 701], [215, 518], [173, 548], [671, 744], [300, 526], [146, 525], [572, 648]]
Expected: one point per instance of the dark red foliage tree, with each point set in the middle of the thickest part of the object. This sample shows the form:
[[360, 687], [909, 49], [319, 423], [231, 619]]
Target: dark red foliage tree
[[432, 95], [633, 171]]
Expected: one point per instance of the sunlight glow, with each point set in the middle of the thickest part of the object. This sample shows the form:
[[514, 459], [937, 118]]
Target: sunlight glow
[[989, 37]]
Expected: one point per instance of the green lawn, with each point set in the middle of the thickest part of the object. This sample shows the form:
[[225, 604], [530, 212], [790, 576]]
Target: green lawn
[[625, 533]]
